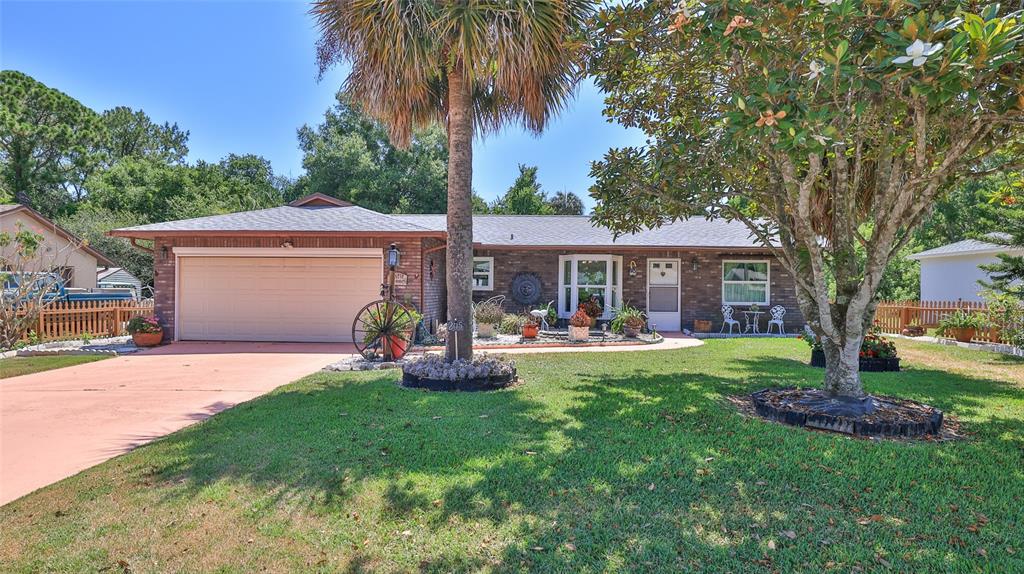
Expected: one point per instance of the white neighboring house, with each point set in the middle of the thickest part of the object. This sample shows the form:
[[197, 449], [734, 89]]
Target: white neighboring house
[[952, 272], [118, 278], [77, 265]]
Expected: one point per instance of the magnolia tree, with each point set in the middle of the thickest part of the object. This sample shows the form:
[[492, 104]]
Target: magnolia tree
[[828, 127], [28, 276]]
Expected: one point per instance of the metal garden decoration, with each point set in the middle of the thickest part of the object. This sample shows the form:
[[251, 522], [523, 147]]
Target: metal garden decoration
[[385, 329]]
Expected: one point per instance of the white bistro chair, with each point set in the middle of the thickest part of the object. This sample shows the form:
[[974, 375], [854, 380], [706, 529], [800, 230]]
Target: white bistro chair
[[728, 320], [777, 312]]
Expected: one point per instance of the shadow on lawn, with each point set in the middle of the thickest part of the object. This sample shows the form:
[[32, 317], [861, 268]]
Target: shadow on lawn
[[645, 470]]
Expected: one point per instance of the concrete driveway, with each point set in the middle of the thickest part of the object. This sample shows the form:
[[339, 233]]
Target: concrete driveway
[[56, 423]]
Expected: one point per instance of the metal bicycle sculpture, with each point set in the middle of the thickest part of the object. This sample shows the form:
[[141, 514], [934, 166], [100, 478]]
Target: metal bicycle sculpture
[[384, 329]]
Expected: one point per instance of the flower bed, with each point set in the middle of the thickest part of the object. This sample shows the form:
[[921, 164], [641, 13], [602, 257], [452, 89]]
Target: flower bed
[[877, 353], [481, 374]]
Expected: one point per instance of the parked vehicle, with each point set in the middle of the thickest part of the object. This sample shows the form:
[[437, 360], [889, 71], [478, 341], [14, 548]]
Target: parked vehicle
[[56, 290]]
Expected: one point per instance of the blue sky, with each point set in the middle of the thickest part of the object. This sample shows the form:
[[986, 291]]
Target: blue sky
[[241, 77]]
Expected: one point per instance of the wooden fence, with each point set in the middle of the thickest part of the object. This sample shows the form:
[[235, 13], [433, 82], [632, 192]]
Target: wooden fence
[[894, 316], [72, 319]]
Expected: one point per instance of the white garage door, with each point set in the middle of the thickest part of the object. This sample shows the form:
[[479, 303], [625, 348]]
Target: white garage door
[[273, 298]]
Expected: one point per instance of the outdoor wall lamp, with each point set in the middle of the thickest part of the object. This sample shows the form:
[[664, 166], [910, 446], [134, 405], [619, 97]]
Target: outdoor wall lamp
[[163, 253], [693, 263], [632, 268], [393, 256]]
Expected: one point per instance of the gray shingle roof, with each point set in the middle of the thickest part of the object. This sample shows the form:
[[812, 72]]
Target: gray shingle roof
[[488, 230], [965, 247], [286, 218], [570, 230]]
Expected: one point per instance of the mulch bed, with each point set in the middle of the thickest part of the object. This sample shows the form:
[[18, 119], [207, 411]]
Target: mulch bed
[[887, 417]]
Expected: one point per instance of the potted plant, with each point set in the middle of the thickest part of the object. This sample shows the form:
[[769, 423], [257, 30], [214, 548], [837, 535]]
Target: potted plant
[[531, 328], [145, 331], [817, 354], [579, 326], [629, 321], [488, 315], [593, 308], [389, 328], [961, 325]]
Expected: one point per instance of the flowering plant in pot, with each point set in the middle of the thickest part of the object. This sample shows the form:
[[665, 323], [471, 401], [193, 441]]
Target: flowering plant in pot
[[579, 325], [488, 315], [961, 325], [593, 308], [145, 331], [390, 329], [531, 327]]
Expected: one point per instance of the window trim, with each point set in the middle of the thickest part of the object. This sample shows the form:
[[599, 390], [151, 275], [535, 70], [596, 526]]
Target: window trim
[[767, 282], [490, 273], [613, 289]]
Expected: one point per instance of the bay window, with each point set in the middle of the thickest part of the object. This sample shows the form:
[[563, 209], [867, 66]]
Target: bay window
[[745, 282], [581, 277]]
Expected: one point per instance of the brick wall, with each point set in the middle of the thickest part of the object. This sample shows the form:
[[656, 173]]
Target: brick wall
[[700, 292], [434, 287], [407, 290]]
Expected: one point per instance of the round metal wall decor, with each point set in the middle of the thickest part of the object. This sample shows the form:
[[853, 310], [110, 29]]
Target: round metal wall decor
[[526, 288]]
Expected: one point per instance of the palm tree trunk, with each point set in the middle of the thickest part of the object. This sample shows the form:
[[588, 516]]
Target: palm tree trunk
[[459, 255]]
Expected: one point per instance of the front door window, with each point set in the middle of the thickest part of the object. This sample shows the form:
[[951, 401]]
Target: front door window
[[585, 276]]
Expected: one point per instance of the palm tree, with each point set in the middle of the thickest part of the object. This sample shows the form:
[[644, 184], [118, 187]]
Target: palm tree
[[471, 65]]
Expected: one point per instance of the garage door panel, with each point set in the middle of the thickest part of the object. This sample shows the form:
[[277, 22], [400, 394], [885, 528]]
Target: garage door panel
[[274, 298]]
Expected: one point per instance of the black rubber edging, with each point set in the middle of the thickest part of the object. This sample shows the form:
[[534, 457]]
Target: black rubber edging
[[844, 424], [469, 385]]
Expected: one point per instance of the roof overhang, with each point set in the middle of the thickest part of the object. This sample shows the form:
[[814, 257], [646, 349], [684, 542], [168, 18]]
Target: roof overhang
[[1009, 250], [101, 259]]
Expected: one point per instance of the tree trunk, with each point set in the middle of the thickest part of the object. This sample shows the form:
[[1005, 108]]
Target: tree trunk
[[842, 367], [459, 255]]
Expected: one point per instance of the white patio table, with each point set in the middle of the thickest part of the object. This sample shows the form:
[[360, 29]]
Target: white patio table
[[753, 319]]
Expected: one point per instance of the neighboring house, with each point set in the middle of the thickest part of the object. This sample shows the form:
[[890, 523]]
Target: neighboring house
[[118, 278], [76, 262], [952, 272], [301, 272]]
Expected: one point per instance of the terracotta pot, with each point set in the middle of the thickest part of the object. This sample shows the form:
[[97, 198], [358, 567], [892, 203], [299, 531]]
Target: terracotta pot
[[579, 333], [963, 335], [530, 330], [398, 346], [485, 330], [147, 339]]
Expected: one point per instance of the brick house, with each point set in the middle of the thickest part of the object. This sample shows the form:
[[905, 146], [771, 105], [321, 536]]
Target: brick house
[[301, 272]]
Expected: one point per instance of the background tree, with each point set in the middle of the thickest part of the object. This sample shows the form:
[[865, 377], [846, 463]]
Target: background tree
[[349, 156], [524, 197], [470, 66], [838, 123], [47, 139], [1007, 276], [91, 223], [131, 133], [566, 203]]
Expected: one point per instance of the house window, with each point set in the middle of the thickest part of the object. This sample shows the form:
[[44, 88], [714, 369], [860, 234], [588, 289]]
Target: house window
[[581, 277], [483, 273], [745, 282]]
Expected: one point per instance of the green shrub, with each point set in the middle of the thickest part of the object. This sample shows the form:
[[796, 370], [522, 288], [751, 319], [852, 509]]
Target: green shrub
[[512, 324]]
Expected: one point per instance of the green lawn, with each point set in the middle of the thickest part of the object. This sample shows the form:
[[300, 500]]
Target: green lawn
[[16, 366], [598, 462]]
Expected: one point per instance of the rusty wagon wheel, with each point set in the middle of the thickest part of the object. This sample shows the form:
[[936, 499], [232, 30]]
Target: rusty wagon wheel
[[384, 330]]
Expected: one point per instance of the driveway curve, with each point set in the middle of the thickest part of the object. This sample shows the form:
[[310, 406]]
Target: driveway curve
[[56, 423]]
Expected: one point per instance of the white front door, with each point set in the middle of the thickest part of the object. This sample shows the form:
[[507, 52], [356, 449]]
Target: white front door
[[663, 294]]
